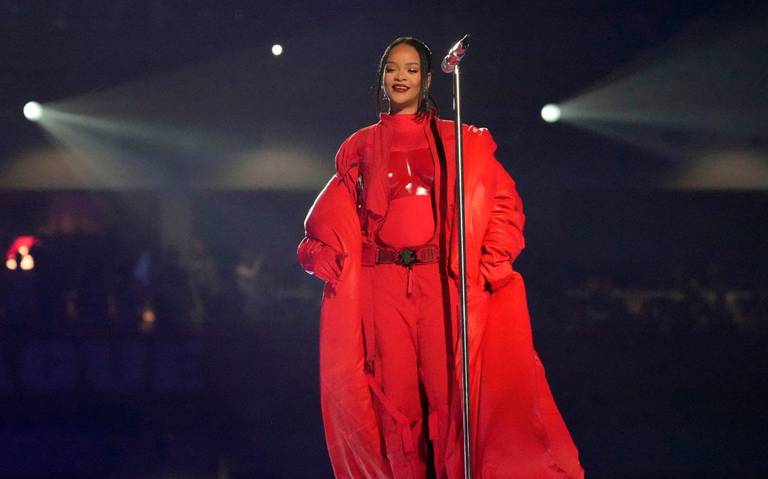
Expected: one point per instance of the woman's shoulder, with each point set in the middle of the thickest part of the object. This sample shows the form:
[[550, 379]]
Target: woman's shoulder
[[359, 137], [352, 148], [472, 134], [467, 128]]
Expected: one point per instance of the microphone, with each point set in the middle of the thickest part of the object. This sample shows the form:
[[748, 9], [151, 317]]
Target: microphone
[[455, 54]]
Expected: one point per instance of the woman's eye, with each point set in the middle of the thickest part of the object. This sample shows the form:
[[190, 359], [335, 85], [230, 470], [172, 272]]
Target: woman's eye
[[413, 71]]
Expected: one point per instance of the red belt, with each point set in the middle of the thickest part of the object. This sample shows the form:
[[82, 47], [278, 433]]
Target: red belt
[[373, 255]]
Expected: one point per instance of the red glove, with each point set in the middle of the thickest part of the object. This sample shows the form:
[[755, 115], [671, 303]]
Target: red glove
[[496, 275], [321, 260]]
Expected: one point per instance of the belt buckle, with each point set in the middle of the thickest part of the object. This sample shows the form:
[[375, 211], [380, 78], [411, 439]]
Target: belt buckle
[[406, 257]]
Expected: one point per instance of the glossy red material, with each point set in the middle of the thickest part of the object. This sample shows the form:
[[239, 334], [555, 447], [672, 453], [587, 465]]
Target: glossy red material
[[411, 177], [517, 430]]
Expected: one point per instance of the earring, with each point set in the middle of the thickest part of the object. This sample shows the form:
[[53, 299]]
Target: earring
[[384, 103]]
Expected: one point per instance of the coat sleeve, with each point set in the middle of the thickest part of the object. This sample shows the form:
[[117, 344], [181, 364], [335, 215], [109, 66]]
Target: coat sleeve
[[503, 240], [318, 231]]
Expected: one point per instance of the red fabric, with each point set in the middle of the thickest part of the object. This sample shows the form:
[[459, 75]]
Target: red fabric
[[410, 219], [517, 431], [409, 128], [322, 260], [410, 342], [411, 178]]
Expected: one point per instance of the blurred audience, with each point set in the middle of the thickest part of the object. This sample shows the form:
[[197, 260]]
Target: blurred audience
[[91, 281], [204, 282], [250, 282]]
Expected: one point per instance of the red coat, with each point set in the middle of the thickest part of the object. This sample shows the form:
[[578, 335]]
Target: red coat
[[517, 431]]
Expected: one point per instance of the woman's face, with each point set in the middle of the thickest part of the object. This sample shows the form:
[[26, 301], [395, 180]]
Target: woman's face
[[402, 79]]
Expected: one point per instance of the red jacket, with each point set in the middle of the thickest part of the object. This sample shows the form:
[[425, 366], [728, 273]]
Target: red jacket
[[517, 431]]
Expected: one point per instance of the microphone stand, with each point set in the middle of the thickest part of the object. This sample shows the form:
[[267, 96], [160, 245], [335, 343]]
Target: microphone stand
[[463, 322]]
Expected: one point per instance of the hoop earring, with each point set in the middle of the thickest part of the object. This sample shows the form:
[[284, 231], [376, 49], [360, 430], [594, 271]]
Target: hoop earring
[[384, 103]]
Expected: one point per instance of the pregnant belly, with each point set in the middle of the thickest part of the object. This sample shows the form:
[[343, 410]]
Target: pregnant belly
[[409, 222]]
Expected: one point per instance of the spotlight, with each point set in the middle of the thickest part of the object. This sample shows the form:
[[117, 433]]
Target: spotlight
[[550, 113], [277, 49], [147, 319], [11, 264], [27, 263], [33, 111]]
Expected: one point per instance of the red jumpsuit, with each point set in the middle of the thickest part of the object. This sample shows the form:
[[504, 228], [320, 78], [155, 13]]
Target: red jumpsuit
[[408, 308], [388, 330]]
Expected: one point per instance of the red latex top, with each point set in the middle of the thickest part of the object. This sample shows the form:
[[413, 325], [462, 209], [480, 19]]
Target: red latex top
[[411, 178]]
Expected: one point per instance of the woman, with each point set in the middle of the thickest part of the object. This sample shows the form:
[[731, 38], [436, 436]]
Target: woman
[[382, 234]]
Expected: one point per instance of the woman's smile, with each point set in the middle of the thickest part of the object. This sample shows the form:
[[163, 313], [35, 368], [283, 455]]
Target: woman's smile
[[402, 79]]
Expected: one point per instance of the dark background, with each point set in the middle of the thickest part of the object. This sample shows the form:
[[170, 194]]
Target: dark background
[[649, 296]]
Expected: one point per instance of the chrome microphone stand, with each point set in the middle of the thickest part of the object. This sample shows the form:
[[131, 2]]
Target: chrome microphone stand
[[451, 65]]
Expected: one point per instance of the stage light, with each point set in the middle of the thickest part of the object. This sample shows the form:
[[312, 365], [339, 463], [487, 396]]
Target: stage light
[[550, 113], [11, 264], [277, 49], [147, 319], [33, 111], [27, 263], [24, 250]]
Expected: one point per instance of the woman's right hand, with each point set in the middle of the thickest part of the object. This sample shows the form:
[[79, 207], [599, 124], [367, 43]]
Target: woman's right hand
[[328, 264], [321, 260]]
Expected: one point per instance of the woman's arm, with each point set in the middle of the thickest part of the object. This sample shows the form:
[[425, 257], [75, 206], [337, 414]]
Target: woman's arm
[[503, 240], [316, 256]]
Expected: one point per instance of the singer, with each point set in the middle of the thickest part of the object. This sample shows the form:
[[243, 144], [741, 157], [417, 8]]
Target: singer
[[382, 235]]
